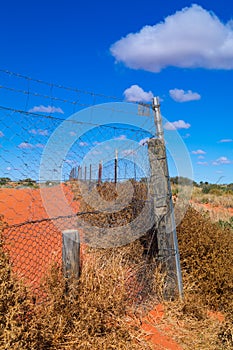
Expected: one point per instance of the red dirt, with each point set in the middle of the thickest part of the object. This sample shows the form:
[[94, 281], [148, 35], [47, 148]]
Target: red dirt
[[216, 208], [156, 333], [34, 247], [216, 315]]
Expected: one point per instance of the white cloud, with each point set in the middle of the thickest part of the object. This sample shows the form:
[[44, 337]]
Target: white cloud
[[203, 163], [121, 137], [25, 145], [201, 157], [40, 145], [221, 160], [225, 140], [180, 124], [95, 152], [143, 141], [128, 152], [136, 94], [8, 168], [180, 95], [192, 37], [44, 109], [198, 151], [39, 132], [70, 162], [72, 133], [1, 134], [83, 144], [186, 136]]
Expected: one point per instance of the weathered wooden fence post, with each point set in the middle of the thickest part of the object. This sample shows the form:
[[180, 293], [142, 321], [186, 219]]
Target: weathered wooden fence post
[[71, 253], [115, 166], [165, 228], [100, 171]]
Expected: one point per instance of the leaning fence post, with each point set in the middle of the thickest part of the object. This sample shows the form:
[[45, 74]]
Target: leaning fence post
[[167, 245], [71, 253]]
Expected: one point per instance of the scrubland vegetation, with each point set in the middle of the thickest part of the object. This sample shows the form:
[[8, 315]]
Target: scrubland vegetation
[[118, 287]]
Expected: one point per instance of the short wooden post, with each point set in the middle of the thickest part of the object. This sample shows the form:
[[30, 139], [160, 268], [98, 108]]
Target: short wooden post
[[115, 166], [85, 173], [90, 173], [71, 253], [79, 172], [100, 173]]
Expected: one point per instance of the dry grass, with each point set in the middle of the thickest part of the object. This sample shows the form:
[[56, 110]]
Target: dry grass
[[206, 258], [116, 286], [91, 314], [223, 199]]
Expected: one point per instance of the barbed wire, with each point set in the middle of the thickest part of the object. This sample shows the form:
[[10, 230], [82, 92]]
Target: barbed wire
[[61, 86]]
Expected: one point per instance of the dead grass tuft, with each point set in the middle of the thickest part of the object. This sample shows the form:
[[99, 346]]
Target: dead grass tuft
[[92, 313], [206, 252]]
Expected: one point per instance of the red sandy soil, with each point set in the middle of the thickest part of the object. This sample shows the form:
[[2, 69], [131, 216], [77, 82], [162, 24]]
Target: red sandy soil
[[157, 332], [218, 209], [34, 247]]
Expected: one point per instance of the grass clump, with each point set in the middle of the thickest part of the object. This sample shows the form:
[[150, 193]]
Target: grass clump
[[91, 313], [15, 307]]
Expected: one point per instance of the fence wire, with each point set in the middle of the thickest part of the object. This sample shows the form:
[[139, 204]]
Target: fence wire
[[50, 180]]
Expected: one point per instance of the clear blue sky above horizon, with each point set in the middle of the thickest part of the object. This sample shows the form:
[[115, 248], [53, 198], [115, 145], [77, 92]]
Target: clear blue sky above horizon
[[182, 53]]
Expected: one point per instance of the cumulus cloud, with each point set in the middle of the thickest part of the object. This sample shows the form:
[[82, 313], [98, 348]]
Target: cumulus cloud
[[192, 37], [39, 132], [72, 133], [221, 160], [46, 109], [136, 94], [180, 95], [95, 152], [128, 152], [83, 144], [180, 124], [198, 151], [203, 163], [70, 162], [121, 137], [186, 136], [144, 141], [226, 140], [25, 145], [40, 145]]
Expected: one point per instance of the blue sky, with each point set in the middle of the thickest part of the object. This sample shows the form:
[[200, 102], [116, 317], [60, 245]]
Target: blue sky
[[178, 51]]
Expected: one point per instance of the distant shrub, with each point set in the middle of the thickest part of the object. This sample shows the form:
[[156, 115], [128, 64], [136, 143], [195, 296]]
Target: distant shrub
[[226, 224], [216, 191], [206, 189]]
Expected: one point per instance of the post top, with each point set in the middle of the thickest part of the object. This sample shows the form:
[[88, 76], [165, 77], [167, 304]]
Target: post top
[[155, 102]]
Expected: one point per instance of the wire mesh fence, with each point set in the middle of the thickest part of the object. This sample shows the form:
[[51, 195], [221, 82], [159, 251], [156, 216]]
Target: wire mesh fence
[[70, 159]]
